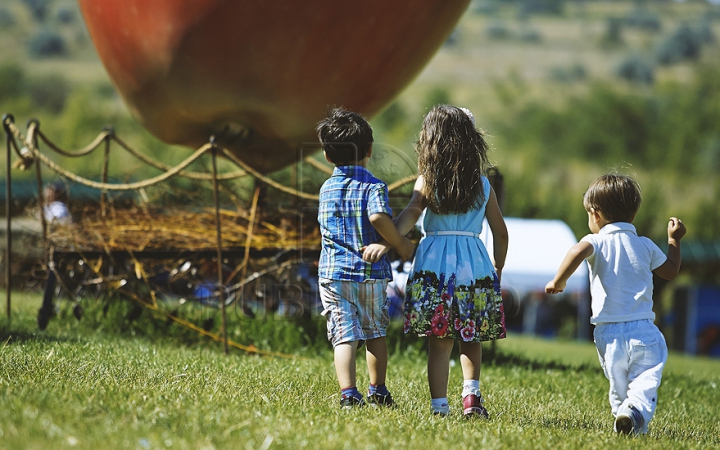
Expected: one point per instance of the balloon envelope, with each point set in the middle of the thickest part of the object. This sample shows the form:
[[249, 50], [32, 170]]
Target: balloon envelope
[[259, 74]]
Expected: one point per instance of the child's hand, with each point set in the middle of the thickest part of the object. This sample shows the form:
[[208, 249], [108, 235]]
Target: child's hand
[[406, 249], [555, 287], [373, 252], [676, 229]]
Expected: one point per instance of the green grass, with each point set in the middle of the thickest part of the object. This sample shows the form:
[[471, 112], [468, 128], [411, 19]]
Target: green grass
[[74, 386]]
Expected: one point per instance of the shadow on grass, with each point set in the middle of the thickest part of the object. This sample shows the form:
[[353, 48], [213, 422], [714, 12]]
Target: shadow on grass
[[504, 359], [23, 337]]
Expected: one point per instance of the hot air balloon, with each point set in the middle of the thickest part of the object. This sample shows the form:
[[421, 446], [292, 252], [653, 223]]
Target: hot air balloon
[[258, 74]]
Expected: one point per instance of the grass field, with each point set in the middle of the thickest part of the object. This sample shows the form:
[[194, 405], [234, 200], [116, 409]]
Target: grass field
[[74, 386]]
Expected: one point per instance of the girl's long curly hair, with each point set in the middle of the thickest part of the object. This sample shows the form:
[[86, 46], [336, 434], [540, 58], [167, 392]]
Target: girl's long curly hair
[[452, 158]]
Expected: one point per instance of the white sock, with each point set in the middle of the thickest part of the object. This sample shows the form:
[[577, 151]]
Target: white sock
[[471, 387], [440, 406]]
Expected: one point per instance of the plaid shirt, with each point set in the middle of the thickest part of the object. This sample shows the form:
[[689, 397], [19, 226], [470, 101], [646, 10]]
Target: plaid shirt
[[347, 200]]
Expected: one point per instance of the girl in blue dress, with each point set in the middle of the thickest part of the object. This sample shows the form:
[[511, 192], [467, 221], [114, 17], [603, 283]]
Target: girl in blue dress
[[453, 291]]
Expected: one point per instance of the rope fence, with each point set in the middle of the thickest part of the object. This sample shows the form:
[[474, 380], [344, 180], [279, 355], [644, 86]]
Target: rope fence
[[28, 154]]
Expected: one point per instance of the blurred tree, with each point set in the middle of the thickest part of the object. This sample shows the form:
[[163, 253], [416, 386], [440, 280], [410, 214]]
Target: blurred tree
[[7, 18], [683, 45], [438, 95], [38, 8], [392, 117], [527, 7], [641, 17], [498, 30], [636, 69], [66, 16], [613, 33], [12, 81], [50, 92], [47, 43]]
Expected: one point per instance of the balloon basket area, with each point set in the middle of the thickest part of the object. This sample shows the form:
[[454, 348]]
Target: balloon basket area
[[207, 232]]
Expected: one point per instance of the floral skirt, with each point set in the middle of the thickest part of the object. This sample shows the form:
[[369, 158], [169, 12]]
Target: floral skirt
[[437, 306]]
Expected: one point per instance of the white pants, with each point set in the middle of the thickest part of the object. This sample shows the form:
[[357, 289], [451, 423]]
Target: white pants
[[632, 355]]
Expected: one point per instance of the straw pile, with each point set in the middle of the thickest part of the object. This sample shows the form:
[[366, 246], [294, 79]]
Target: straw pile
[[138, 230]]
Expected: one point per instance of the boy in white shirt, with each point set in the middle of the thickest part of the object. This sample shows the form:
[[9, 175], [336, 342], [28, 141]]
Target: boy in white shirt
[[632, 350]]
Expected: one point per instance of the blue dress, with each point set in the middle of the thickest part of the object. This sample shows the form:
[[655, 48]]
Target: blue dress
[[453, 290]]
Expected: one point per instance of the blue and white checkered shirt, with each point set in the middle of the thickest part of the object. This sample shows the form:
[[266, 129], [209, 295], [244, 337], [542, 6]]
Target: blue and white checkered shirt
[[347, 200]]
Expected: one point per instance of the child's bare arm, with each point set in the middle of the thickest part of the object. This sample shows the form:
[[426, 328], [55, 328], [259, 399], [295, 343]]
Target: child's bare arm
[[499, 232], [576, 255], [410, 215], [404, 223], [384, 225], [670, 268]]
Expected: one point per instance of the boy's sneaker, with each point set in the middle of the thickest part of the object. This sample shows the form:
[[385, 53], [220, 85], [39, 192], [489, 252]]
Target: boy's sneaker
[[473, 407], [350, 402], [628, 421], [381, 400]]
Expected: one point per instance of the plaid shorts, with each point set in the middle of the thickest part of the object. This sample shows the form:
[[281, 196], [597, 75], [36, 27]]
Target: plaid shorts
[[354, 311]]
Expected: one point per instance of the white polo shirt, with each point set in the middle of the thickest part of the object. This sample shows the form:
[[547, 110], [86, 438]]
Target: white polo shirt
[[621, 276]]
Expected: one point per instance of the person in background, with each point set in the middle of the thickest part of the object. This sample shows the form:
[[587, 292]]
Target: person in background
[[632, 350], [55, 209]]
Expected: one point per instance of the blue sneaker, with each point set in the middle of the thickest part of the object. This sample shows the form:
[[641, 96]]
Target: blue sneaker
[[349, 402], [629, 421], [377, 399]]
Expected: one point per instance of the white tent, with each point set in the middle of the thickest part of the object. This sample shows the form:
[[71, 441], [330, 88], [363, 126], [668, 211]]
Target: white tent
[[535, 251]]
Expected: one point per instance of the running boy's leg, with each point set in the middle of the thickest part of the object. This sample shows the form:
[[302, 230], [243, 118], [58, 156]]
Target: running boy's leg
[[648, 358], [612, 353]]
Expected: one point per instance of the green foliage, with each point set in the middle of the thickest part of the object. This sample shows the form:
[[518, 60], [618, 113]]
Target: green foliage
[[530, 35], [438, 95], [685, 44], [636, 69], [392, 117], [7, 18], [485, 7], [395, 126], [613, 33], [574, 73], [706, 216], [38, 8], [672, 130], [498, 30], [49, 92], [67, 16], [528, 7], [12, 81], [47, 43], [642, 18]]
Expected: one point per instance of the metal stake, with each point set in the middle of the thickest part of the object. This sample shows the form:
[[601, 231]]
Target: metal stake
[[218, 228]]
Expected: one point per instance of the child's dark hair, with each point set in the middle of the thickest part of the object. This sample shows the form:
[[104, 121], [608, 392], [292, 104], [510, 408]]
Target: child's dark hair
[[57, 189], [616, 196], [346, 136], [452, 157]]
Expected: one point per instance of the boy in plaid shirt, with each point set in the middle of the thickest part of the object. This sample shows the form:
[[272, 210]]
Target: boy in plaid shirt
[[354, 213]]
